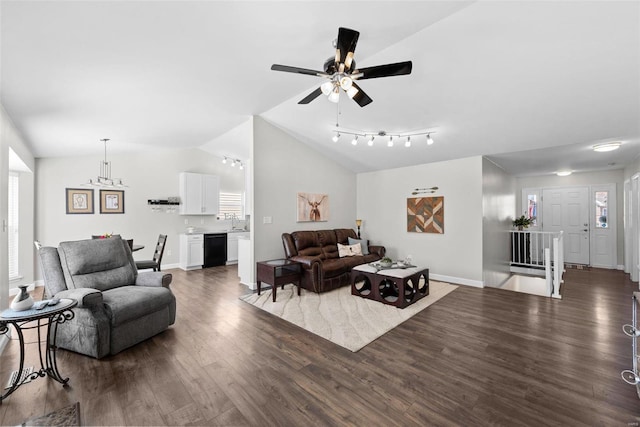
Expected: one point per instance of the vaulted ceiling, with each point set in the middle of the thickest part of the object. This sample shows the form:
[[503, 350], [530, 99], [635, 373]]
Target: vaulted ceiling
[[531, 84]]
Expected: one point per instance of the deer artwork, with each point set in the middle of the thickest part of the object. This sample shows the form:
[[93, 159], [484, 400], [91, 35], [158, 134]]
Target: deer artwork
[[314, 213]]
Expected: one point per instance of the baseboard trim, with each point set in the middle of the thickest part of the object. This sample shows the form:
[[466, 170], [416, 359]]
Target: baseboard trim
[[457, 280], [170, 266]]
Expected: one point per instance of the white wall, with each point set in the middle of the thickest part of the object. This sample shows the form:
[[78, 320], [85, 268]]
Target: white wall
[[499, 207], [456, 255], [149, 175], [283, 167], [581, 179], [11, 138]]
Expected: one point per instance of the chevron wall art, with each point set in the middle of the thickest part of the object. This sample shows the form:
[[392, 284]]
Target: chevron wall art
[[425, 215]]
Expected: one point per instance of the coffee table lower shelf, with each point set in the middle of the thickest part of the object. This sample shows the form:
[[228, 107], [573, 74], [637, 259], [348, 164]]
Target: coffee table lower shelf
[[397, 287]]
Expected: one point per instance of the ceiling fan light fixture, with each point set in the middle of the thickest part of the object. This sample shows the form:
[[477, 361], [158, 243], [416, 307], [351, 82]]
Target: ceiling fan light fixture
[[609, 146], [346, 82], [326, 88], [334, 96], [352, 91]]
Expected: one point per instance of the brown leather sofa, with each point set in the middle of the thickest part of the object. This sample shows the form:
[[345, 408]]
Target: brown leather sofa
[[317, 251]]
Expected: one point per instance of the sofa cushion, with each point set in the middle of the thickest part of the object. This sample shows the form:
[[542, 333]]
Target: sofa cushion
[[131, 302], [364, 244], [335, 267], [97, 263], [349, 250]]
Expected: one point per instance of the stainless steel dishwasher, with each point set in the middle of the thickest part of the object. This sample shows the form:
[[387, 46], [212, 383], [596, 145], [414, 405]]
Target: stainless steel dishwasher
[[215, 249]]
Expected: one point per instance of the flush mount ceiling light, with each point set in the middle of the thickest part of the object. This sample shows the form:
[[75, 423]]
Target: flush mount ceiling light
[[609, 146], [563, 173], [233, 161], [104, 178]]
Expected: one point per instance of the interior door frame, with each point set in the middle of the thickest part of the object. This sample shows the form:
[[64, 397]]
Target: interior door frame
[[635, 199]]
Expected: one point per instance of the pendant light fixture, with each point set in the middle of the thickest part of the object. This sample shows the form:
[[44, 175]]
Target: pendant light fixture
[[104, 178]]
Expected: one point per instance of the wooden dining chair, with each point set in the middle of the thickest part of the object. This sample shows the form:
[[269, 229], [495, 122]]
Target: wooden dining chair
[[157, 256]]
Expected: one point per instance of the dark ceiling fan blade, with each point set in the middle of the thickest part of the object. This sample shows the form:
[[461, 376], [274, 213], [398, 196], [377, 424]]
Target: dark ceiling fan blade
[[298, 70], [346, 46], [313, 95], [387, 70], [360, 97]]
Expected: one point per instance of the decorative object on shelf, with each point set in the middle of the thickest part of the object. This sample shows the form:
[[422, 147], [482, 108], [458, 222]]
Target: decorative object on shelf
[[111, 201], [390, 137], [358, 224], [425, 215], [523, 222], [104, 178], [23, 300], [79, 201], [313, 207], [424, 190], [341, 71], [233, 162], [168, 205]]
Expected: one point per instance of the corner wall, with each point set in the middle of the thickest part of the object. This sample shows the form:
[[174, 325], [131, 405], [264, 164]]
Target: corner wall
[[282, 167], [454, 256], [498, 207]]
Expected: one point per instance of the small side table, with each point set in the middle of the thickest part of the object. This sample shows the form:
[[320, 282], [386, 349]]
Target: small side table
[[277, 272], [50, 317]]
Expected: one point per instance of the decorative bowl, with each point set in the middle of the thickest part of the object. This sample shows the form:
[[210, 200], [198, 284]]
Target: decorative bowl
[[386, 264]]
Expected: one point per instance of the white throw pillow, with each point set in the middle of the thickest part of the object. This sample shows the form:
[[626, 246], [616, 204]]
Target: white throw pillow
[[349, 250]]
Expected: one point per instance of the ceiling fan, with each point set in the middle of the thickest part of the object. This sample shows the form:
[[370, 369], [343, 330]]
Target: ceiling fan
[[341, 71]]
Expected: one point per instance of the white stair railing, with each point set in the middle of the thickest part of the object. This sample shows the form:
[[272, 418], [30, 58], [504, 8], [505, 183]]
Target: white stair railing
[[539, 251]]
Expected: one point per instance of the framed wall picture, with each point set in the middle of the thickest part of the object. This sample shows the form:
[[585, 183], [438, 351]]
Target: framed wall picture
[[111, 201], [425, 215], [313, 207], [79, 201]]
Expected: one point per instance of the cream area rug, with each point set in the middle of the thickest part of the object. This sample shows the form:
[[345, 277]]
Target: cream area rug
[[344, 319]]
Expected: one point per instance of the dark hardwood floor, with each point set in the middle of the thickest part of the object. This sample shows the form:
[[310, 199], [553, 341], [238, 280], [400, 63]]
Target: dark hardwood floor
[[476, 357]]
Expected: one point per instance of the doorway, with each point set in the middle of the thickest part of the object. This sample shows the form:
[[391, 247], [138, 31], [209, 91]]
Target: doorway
[[567, 210], [587, 217]]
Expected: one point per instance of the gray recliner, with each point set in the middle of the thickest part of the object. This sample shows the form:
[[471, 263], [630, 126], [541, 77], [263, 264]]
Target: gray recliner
[[118, 307]]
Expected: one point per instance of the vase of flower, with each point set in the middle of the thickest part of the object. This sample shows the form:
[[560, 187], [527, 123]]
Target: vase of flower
[[23, 300]]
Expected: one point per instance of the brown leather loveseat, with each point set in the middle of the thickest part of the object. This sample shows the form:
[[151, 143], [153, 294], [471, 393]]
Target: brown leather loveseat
[[317, 251]]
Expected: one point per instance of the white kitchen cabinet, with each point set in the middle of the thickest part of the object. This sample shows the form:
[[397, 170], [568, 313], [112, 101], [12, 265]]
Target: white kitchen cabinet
[[199, 194], [232, 246], [191, 251]]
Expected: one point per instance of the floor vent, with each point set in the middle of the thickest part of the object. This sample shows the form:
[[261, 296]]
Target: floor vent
[[25, 373]]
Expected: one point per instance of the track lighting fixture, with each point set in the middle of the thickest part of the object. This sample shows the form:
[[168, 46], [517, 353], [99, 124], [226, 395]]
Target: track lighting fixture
[[233, 161], [370, 136]]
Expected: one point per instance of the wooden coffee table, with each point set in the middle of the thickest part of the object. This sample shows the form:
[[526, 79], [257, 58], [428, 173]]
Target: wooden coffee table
[[399, 287], [278, 272]]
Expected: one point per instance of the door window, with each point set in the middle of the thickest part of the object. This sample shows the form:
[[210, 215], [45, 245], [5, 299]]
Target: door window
[[601, 219]]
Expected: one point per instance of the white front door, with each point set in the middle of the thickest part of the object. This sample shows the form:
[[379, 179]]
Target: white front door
[[567, 210], [604, 250]]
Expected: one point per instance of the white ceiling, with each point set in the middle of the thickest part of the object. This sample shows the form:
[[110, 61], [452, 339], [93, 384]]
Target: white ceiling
[[531, 84]]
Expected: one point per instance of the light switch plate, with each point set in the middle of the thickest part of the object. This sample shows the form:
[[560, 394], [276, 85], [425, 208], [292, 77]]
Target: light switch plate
[[267, 220]]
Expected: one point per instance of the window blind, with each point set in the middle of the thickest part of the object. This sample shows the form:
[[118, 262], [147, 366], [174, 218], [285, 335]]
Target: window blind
[[230, 204]]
